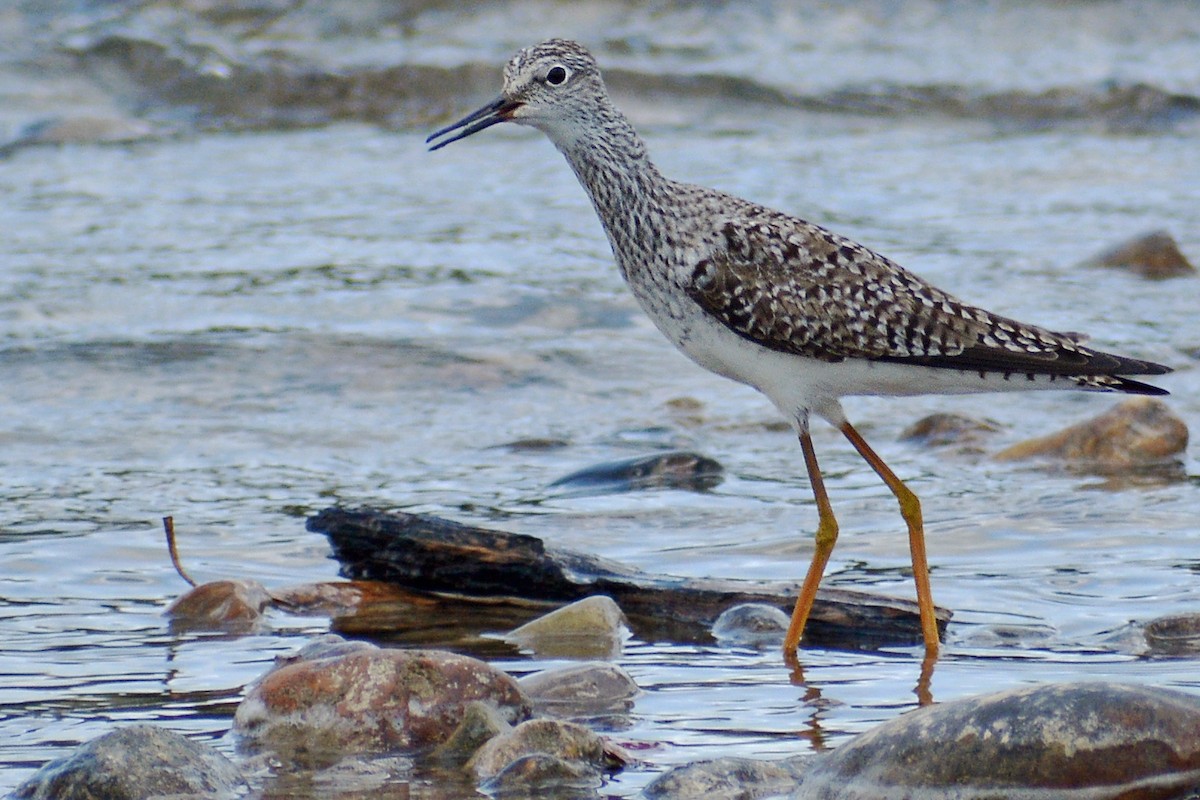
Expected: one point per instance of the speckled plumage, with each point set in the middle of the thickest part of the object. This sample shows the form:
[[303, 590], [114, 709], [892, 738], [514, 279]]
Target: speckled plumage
[[776, 302]]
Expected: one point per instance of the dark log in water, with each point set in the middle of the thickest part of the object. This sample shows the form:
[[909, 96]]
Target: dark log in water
[[440, 556]]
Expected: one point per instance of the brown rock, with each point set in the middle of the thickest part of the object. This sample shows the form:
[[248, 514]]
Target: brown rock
[[565, 741], [1177, 635], [1137, 432], [1095, 740], [1153, 255], [372, 701], [224, 605], [941, 430]]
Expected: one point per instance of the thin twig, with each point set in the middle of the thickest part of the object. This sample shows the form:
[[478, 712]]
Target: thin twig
[[169, 527]]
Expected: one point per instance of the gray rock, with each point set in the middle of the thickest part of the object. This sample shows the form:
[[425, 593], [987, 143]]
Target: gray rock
[[481, 722], [593, 627], [581, 691], [544, 775], [139, 761], [726, 779], [371, 701], [751, 625], [1072, 740], [1177, 635], [672, 470]]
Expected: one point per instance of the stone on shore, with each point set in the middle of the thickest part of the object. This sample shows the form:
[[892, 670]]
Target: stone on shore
[[1154, 255], [137, 761], [1095, 740], [1138, 432], [371, 700], [593, 627]]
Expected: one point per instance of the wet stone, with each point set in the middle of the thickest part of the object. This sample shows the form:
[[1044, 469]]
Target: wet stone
[[371, 701], [674, 470], [946, 430], [565, 741], [233, 605], [135, 762], [1095, 740], [1154, 255], [726, 779], [593, 627], [1176, 635], [544, 775], [581, 691], [751, 625], [1137, 432], [480, 723]]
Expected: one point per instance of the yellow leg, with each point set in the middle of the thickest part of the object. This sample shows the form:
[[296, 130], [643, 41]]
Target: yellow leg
[[827, 532], [910, 509]]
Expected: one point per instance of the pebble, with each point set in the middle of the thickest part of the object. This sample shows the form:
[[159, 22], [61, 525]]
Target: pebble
[[755, 625], [1154, 255], [1085, 739], [1138, 432], [594, 627], [584, 691], [135, 762], [372, 700]]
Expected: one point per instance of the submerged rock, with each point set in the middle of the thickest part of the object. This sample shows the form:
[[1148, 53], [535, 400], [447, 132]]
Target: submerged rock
[[581, 691], [1153, 255], [1093, 740], [235, 605], [726, 779], [371, 701], [480, 723], [593, 627], [564, 741], [751, 625], [942, 430], [678, 469], [135, 762], [1177, 635], [1138, 432]]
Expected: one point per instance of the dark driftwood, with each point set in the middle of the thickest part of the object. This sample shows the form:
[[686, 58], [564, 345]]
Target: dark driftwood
[[440, 556]]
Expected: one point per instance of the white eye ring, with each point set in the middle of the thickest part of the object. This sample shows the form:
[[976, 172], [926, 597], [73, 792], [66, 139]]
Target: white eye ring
[[557, 75]]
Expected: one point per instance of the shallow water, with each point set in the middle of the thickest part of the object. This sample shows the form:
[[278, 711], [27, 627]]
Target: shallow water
[[238, 328]]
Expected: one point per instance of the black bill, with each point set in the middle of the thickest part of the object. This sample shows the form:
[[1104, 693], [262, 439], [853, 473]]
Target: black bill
[[499, 110]]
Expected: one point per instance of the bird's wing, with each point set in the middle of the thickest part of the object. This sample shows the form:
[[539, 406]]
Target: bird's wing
[[795, 287]]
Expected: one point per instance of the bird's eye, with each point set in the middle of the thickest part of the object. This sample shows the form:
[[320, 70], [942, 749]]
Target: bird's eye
[[557, 76]]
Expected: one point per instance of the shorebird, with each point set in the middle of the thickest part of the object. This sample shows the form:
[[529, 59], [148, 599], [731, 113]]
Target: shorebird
[[798, 312]]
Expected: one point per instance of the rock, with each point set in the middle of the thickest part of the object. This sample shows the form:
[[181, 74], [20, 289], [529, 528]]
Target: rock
[[134, 762], [673, 470], [751, 625], [726, 779], [544, 775], [1174, 636], [581, 691], [371, 701], [942, 430], [1138, 432], [480, 723], [1094, 740], [593, 627], [565, 741], [234, 605], [1153, 255]]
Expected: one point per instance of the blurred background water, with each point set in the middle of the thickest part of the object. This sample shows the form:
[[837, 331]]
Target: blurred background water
[[235, 289]]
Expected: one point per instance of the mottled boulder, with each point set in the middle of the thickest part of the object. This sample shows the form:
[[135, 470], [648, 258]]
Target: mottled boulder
[[581, 691], [132, 763], [1072, 740], [564, 741], [231, 605], [1138, 432], [727, 778], [371, 701], [1153, 255], [751, 625], [593, 627]]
